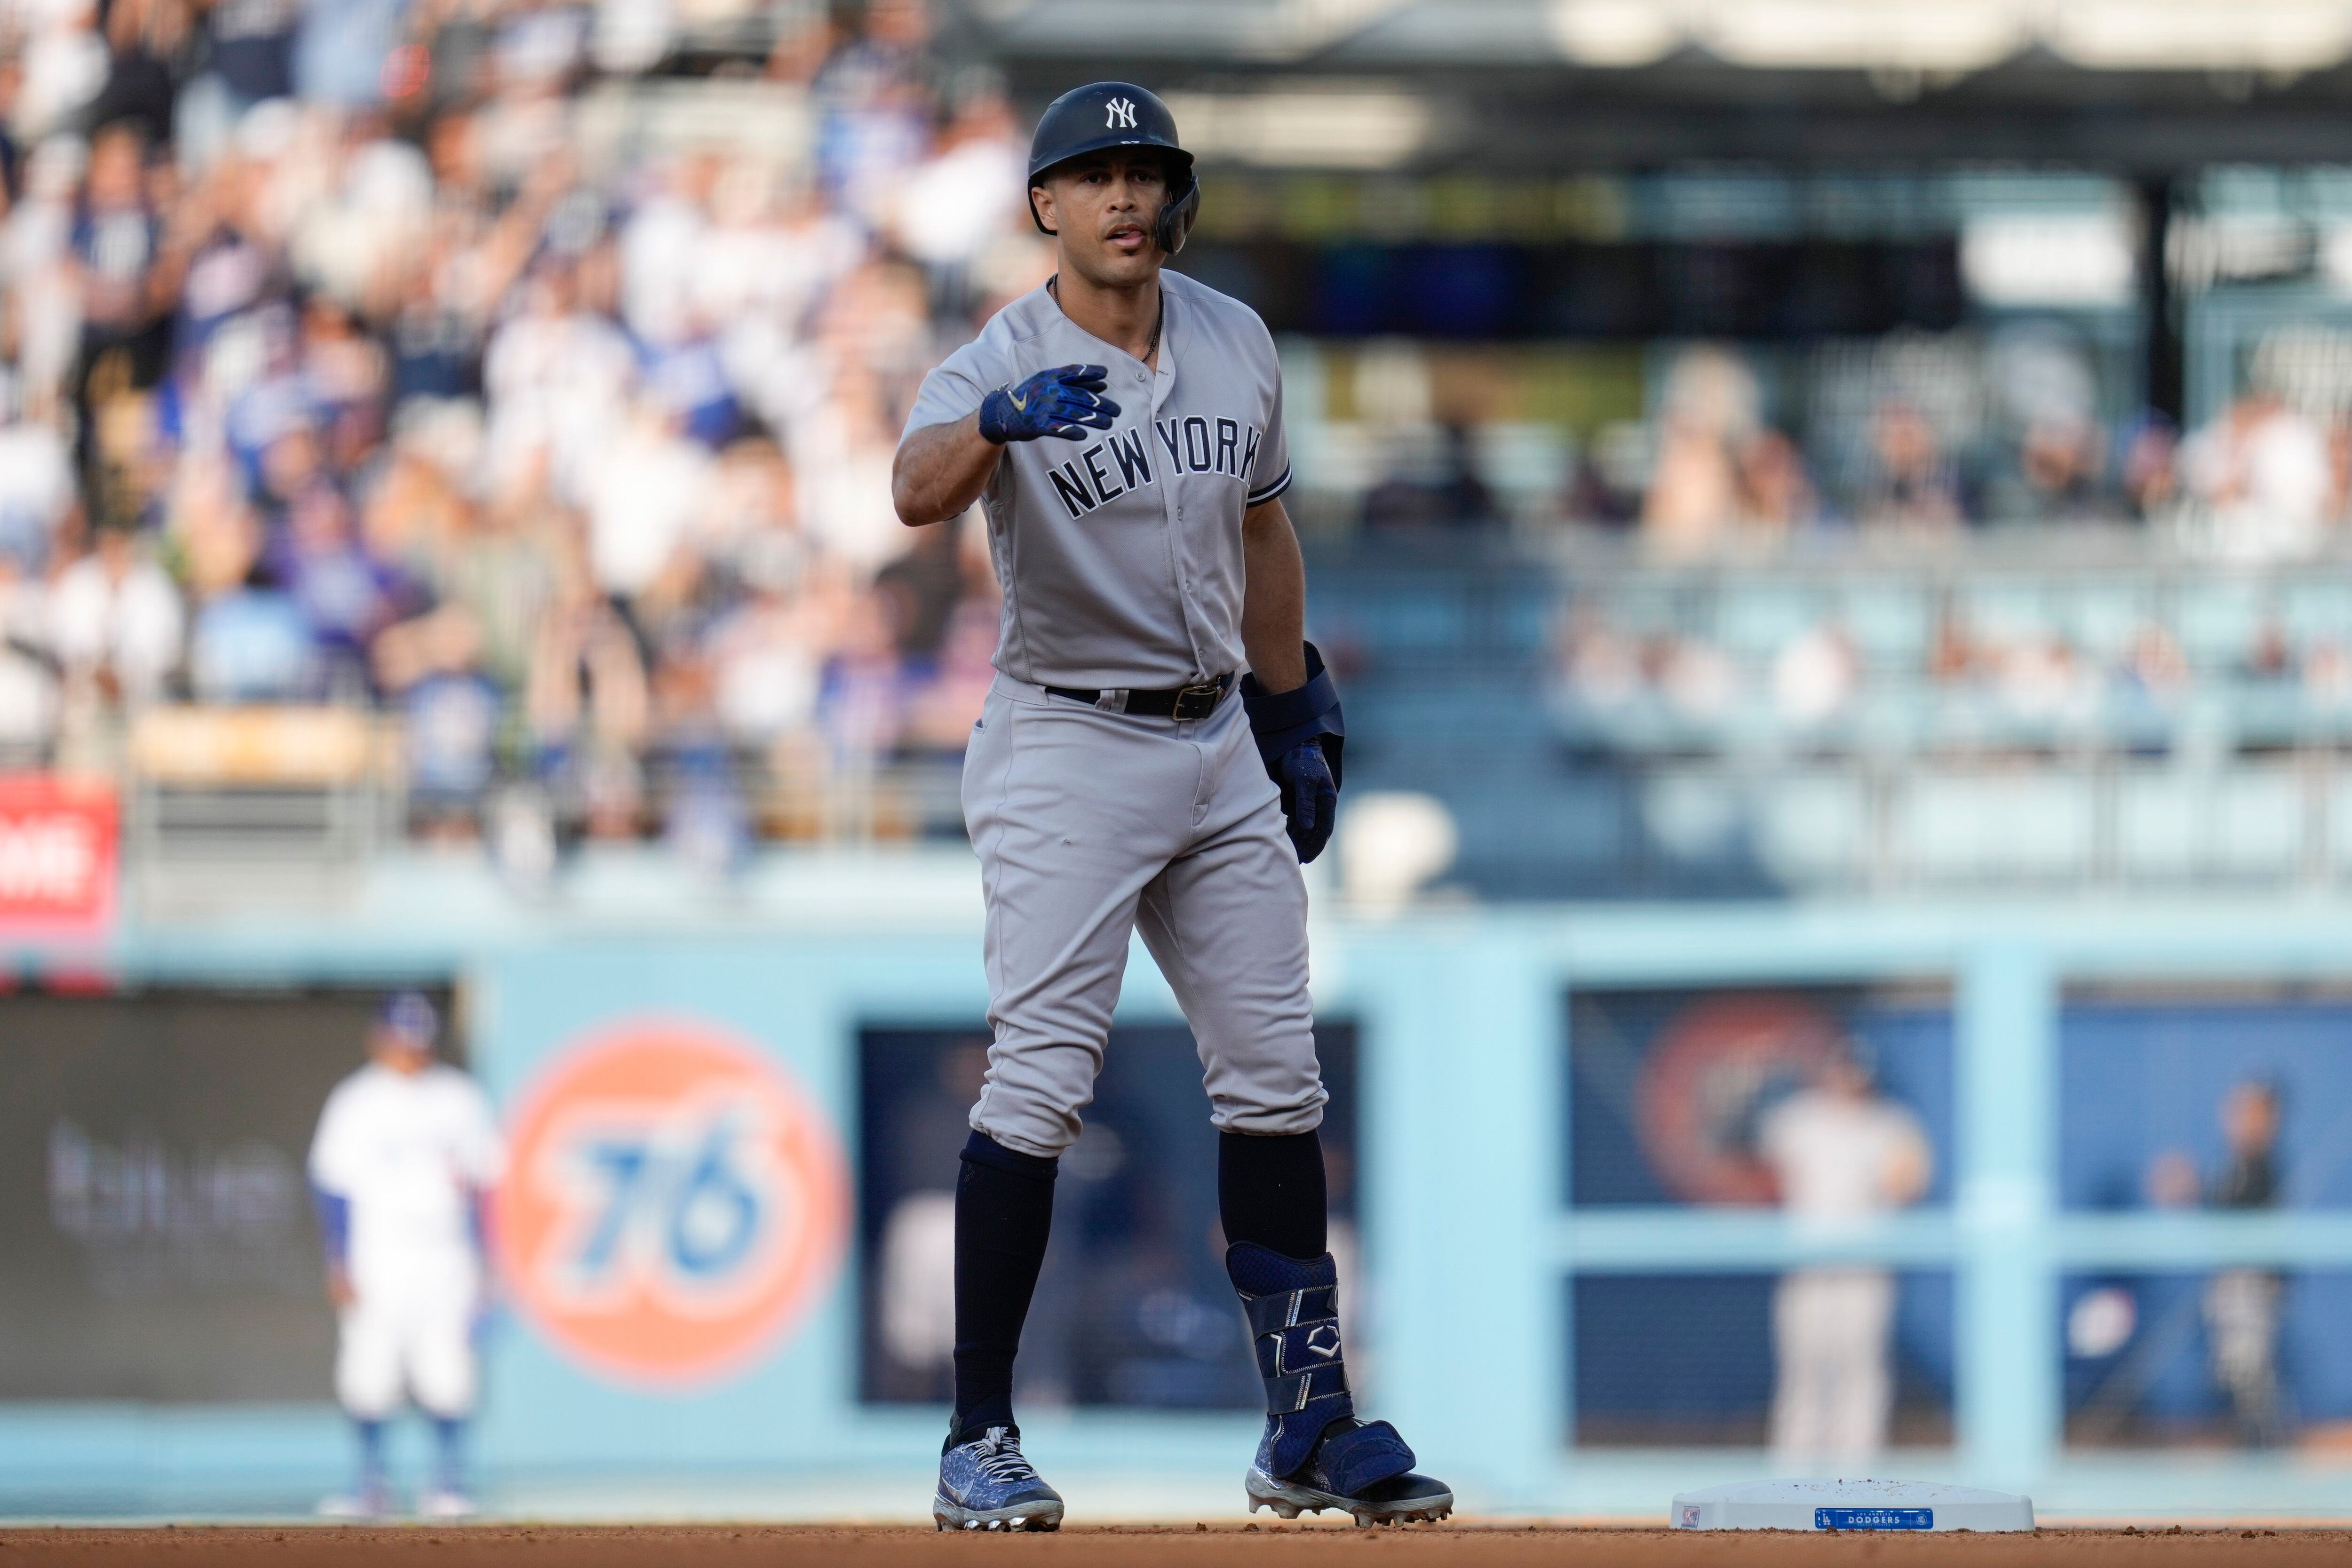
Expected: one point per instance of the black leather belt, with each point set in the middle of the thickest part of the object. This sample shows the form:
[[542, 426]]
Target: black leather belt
[[1175, 702]]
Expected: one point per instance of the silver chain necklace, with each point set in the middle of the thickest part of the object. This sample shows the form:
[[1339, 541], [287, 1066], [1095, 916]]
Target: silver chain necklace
[[1159, 320]]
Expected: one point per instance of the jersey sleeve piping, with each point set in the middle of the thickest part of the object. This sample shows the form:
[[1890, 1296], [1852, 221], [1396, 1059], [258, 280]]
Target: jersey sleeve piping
[[1260, 497]]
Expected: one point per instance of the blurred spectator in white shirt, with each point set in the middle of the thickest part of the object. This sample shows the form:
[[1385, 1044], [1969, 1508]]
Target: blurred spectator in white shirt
[[115, 621], [557, 378], [2263, 479], [645, 495], [1815, 674], [1710, 409], [356, 242], [28, 685], [37, 489], [43, 298], [842, 454], [661, 252], [64, 65], [969, 191], [767, 657], [630, 35]]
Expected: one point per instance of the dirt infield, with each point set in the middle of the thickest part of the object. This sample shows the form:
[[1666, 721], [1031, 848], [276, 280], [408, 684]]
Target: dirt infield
[[1458, 1545]]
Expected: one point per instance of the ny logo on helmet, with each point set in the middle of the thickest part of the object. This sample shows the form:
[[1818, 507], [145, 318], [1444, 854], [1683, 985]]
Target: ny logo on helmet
[[1122, 114]]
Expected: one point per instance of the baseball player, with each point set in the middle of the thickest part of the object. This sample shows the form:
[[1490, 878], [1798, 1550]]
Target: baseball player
[[402, 1165], [1839, 1151], [1121, 428], [2241, 1305]]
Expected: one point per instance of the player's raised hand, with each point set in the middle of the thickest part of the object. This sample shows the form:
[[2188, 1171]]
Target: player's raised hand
[[1065, 401]]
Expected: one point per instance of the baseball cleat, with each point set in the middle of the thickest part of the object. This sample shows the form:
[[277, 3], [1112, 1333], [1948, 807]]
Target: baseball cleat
[[446, 1502], [370, 1502], [987, 1484], [1316, 1452], [1402, 1498]]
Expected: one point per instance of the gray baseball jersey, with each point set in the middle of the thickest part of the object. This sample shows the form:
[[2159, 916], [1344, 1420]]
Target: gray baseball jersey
[[1120, 556]]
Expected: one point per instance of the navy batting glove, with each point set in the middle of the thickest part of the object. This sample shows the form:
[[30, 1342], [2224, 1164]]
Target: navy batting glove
[[1064, 402], [1311, 800]]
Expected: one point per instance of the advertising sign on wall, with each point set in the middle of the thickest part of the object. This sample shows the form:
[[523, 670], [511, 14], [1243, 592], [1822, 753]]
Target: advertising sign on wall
[[58, 855], [675, 1202], [154, 1216]]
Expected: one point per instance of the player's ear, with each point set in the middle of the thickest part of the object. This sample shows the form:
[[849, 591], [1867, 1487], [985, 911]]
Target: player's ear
[[1041, 209]]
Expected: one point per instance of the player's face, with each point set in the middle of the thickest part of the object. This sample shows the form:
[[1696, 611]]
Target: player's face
[[2250, 1117], [1844, 1078], [399, 1050], [1103, 206]]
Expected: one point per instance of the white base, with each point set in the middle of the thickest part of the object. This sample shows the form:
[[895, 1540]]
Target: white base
[[1902, 1505]]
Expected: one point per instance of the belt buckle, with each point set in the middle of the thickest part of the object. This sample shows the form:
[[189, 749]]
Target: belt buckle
[[1198, 701]]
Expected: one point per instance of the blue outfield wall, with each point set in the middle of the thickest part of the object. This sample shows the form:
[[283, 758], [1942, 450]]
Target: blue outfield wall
[[1470, 1245]]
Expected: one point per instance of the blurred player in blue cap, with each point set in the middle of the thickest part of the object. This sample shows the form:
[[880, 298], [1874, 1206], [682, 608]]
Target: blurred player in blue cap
[[405, 1155]]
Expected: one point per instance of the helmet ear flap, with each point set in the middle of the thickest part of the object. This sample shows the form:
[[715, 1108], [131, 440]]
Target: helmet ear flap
[[1176, 215]]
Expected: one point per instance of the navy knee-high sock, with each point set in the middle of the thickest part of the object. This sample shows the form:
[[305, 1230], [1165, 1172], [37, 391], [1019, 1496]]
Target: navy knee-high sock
[[1005, 1210], [1270, 1191]]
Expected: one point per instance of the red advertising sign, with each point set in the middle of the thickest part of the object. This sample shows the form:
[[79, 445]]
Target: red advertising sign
[[59, 856]]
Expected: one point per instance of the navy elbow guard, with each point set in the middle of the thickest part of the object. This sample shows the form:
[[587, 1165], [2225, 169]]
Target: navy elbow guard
[[1282, 722]]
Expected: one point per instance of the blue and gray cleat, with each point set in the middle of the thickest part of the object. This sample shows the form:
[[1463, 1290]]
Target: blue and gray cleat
[[1333, 1478], [1316, 1454], [986, 1484]]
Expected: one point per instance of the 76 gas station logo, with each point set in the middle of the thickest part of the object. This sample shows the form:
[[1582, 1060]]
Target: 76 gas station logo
[[675, 1203], [676, 1200]]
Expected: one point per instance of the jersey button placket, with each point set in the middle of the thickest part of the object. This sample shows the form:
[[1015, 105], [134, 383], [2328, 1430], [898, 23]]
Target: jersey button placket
[[1163, 387]]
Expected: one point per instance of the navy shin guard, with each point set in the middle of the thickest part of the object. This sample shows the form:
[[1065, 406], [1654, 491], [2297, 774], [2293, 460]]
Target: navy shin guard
[[1292, 1304]]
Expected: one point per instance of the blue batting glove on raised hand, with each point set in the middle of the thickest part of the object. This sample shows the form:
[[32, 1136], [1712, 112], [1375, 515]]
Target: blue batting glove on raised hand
[[1310, 797], [1062, 402]]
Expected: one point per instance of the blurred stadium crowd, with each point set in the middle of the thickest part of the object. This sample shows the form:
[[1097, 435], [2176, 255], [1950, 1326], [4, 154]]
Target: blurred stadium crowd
[[349, 365], [1968, 558], [528, 374], [1922, 435]]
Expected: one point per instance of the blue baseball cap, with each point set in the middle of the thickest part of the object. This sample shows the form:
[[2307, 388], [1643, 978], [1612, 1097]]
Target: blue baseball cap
[[410, 1013]]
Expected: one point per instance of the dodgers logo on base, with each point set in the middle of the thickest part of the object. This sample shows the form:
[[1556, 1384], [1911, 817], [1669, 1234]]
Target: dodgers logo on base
[[675, 1203], [1874, 1518]]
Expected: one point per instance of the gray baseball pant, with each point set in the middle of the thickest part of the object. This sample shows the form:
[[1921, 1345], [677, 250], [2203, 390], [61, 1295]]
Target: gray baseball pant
[[1091, 825]]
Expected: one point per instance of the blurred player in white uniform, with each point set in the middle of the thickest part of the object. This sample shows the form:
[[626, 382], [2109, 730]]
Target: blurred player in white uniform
[[404, 1158], [1841, 1152]]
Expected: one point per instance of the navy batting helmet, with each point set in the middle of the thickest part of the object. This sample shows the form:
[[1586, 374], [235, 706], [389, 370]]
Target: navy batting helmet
[[1118, 114], [409, 1014]]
